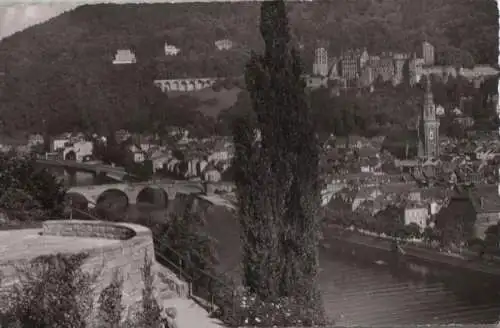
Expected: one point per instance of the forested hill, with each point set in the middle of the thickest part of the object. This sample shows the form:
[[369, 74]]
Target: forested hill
[[62, 68]]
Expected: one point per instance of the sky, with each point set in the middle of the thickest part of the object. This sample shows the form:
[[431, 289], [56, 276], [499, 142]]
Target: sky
[[14, 18], [17, 17]]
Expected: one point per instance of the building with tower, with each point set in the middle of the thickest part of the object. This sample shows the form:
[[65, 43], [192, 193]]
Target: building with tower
[[428, 132], [364, 57], [399, 63], [124, 56], [428, 53], [349, 67], [415, 69], [320, 66], [333, 71]]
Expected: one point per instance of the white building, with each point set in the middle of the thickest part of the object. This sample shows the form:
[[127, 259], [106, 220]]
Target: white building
[[35, 139], [428, 53], [440, 110], [137, 153], [320, 66], [59, 143], [171, 50], [78, 150], [211, 175], [417, 214], [224, 44], [364, 58], [124, 56]]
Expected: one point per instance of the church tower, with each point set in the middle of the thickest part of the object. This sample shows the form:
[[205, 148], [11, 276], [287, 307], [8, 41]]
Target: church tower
[[429, 127]]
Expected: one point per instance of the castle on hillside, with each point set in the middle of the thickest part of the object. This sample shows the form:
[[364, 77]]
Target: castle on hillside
[[356, 68]]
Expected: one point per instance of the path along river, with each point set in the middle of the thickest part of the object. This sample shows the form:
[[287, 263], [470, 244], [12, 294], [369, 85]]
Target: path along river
[[360, 292]]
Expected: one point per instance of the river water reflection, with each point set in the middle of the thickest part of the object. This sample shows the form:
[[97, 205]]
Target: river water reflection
[[369, 294], [361, 292]]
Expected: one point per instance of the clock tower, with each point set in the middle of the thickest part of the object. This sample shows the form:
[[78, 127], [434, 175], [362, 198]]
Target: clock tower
[[429, 146]]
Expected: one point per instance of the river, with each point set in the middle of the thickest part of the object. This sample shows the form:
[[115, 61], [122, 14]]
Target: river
[[360, 292], [79, 178], [367, 294]]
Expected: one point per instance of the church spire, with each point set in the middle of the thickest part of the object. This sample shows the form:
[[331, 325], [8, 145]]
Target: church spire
[[429, 124], [428, 88], [429, 112]]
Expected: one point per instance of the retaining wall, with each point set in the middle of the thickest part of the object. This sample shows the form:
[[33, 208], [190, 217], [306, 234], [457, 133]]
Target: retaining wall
[[127, 256]]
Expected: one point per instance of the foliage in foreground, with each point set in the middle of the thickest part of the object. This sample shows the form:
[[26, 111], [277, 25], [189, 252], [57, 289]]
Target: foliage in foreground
[[27, 192], [110, 304], [150, 312], [183, 242], [277, 176], [54, 291]]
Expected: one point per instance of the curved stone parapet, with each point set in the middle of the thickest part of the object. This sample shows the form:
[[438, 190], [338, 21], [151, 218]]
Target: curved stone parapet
[[135, 242], [118, 247], [94, 229]]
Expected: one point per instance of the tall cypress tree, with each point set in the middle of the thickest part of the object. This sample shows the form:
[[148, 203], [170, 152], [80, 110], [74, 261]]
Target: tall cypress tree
[[277, 176]]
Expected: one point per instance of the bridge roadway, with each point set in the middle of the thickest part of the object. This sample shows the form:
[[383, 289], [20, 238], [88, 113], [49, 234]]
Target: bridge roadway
[[117, 173], [132, 191]]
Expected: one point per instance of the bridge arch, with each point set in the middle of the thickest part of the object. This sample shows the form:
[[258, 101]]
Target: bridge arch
[[185, 86], [153, 195], [70, 156], [115, 199]]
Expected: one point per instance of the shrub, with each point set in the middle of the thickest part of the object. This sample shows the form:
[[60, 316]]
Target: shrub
[[242, 308], [110, 304], [53, 291], [183, 242], [150, 312]]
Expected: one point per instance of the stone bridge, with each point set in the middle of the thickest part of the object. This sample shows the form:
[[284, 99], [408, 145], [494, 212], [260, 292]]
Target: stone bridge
[[116, 173], [132, 193], [185, 85]]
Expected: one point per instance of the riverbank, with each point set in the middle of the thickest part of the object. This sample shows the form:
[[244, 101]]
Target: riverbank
[[410, 252]]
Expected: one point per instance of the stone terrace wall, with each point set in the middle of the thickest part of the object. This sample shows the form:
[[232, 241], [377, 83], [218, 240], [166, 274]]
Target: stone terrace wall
[[126, 256], [93, 229]]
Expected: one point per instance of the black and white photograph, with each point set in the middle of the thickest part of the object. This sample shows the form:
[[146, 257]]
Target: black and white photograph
[[278, 163]]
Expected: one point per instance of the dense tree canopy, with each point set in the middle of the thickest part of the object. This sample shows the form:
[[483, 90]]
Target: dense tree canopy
[[59, 74], [277, 176], [390, 111], [28, 192]]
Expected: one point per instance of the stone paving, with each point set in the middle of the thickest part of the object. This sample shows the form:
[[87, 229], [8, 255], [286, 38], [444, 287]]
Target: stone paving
[[28, 243]]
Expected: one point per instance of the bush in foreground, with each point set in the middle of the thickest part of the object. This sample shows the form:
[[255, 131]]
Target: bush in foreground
[[54, 291], [110, 304], [243, 308]]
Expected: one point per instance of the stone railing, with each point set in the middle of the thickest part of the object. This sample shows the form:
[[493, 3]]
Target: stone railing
[[134, 243], [125, 252], [91, 229]]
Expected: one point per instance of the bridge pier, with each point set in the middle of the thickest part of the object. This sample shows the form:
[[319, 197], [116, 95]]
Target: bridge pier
[[70, 171], [99, 177], [171, 192], [71, 177]]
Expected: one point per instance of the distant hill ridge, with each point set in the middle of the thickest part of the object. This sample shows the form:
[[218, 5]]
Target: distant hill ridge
[[60, 65]]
